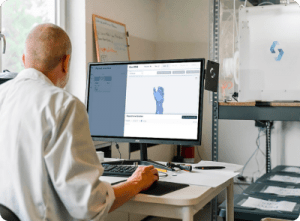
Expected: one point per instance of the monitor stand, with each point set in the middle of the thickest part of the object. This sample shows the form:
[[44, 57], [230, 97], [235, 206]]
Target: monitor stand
[[143, 161]]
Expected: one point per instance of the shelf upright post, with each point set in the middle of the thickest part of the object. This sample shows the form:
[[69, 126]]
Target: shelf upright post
[[214, 27], [268, 146]]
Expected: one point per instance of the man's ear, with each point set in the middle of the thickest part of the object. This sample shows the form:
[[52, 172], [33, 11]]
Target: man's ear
[[23, 59], [66, 62]]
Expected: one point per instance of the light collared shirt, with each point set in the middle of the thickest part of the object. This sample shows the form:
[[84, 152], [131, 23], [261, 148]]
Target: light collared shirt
[[49, 168]]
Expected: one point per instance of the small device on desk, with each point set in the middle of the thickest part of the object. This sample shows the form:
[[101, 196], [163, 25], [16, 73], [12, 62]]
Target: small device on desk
[[182, 167]]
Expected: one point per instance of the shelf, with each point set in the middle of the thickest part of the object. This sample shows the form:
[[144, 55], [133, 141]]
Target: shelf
[[277, 111]]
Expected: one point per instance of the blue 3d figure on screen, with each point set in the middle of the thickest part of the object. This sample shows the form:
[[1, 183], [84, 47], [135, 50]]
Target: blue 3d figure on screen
[[159, 98]]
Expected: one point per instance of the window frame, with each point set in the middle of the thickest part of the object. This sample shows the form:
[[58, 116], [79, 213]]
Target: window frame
[[60, 13], [1, 40]]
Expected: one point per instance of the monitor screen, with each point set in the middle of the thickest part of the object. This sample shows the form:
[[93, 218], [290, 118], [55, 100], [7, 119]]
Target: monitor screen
[[146, 101]]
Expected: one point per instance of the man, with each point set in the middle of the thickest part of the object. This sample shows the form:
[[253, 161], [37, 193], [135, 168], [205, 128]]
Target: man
[[48, 165]]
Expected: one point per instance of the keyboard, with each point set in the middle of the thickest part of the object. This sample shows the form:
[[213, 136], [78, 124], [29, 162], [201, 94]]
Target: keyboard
[[118, 170]]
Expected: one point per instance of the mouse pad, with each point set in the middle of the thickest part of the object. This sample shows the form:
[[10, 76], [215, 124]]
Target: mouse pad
[[160, 188]]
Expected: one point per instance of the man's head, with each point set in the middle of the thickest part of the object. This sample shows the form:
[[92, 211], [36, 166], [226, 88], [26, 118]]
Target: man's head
[[48, 50]]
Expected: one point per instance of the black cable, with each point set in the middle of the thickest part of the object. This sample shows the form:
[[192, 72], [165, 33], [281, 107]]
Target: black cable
[[235, 95], [117, 146], [257, 149]]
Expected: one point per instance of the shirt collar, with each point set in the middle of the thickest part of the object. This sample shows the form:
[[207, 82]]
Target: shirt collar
[[33, 74]]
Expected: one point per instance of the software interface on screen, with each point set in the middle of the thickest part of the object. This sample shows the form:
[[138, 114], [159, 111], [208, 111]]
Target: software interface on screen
[[145, 100]]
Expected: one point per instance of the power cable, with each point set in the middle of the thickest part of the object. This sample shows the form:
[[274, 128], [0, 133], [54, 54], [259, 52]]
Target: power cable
[[118, 148]]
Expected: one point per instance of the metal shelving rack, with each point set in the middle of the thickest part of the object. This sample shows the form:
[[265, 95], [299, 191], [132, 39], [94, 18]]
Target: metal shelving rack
[[214, 56], [241, 111], [269, 113]]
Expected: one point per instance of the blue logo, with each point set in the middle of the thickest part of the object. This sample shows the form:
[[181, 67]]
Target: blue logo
[[281, 52]]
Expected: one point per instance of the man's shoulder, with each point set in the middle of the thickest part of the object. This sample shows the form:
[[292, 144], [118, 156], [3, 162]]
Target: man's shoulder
[[58, 100], [64, 96]]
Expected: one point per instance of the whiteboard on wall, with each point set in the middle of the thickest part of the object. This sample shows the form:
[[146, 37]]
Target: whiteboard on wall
[[111, 40]]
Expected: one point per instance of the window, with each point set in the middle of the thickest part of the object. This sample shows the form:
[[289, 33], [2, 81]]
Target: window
[[18, 18]]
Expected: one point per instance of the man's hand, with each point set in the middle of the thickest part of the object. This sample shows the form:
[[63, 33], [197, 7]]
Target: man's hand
[[140, 180], [144, 177]]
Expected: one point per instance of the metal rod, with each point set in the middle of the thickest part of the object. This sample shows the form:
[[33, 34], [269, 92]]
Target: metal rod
[[215, 100], [268, 146]]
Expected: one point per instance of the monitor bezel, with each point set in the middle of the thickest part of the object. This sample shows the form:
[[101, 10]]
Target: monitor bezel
[[153, 140]]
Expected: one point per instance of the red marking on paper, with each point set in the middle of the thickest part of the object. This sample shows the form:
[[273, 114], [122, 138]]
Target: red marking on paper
[[227, 84], [108, 50]]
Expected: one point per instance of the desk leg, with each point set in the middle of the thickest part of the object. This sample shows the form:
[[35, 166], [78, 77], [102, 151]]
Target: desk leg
[[230, 205], [187, 213]]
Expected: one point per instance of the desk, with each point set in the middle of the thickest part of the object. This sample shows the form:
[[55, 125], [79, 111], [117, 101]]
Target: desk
[[180, 204]]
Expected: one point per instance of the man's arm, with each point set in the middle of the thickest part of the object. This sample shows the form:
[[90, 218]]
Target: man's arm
[[142, 179], [74, 168]]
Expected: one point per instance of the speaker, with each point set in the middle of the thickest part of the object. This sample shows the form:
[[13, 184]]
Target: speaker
[[212, 76]]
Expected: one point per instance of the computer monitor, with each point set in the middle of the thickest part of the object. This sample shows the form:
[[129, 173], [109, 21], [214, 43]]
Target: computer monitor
[[158, 101]]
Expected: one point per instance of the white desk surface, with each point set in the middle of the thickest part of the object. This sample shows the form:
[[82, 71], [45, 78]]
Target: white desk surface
[[180, 204], [184, 197], [209, 178]]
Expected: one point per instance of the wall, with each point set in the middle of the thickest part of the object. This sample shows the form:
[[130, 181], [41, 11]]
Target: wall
[[140, 20], [183, 33], [158, 30], [140, 23], [75, 27], [238, 141]]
